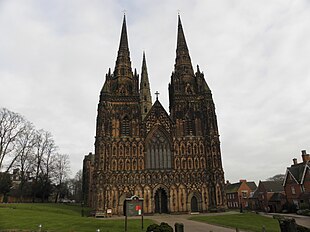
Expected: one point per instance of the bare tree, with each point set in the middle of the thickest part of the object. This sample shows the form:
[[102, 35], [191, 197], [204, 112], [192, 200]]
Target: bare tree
[[44, 148], [34, 153], [24, 155], [11, 125], [23, 147], [76, 186], [278, 177], [61, 172]]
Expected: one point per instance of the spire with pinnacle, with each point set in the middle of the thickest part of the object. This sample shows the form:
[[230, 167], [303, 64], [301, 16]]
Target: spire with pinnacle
[[145, 93], [182, 60], [123, 63]]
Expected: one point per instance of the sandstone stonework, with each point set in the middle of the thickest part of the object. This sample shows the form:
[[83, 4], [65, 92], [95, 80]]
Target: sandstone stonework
[[173, 160]]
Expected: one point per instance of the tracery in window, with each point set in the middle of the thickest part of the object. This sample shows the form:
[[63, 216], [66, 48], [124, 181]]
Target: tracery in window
[[158, 151]]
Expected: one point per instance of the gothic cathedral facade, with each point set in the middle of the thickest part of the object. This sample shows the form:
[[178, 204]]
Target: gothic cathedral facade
[[172, 161]]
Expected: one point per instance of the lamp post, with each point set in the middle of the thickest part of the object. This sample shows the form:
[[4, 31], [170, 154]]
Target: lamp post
[[40, 228], [240, 202], [82, 210]]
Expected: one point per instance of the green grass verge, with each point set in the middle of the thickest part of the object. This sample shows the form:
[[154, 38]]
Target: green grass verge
[[60, 218], [245, 221]]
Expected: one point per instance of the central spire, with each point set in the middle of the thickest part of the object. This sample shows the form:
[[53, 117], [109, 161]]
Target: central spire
[[182, 60]]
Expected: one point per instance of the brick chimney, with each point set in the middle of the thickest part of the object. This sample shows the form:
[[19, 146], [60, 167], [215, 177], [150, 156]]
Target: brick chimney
[[294, 161], [305, 156]]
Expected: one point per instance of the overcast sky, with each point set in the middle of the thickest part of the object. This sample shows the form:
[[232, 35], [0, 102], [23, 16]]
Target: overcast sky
[[255, 56]]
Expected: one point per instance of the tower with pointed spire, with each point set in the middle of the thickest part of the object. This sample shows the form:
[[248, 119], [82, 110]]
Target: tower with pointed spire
[[173, 161], [145, 92]]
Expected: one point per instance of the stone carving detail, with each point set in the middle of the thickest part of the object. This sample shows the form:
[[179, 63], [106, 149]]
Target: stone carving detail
[[171, 160]]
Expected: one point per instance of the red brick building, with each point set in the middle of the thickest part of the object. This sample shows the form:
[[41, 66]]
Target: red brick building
[[268, 197], [297, 182], [239, 193]]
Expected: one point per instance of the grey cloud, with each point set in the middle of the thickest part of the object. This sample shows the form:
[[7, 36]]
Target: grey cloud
[[53, 59]]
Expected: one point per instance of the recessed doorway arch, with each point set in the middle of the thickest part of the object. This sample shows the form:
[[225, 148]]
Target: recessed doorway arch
[[194, 204], [161, 201]]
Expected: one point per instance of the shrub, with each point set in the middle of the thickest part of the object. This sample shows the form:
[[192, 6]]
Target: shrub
[[153, 227], [305, 212], [302, 228], [304, 206], [289, 207], [163, 227]]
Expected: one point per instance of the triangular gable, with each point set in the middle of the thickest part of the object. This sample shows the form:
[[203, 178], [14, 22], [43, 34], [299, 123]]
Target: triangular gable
[[252, 185], [157, 115], [287, 174], [307, 168]]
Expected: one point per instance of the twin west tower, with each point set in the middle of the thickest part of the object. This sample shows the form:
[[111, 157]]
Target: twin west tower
[[173, 160]]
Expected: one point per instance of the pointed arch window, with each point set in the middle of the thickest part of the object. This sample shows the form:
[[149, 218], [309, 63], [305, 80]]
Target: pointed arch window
[[125, 126], [158, 151], [189, 126]]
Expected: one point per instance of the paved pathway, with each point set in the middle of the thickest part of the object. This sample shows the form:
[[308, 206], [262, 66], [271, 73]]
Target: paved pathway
[[189, 225], [194, 226]]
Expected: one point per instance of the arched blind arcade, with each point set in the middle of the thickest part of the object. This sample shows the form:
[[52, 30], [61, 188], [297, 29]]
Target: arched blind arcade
[[158, 151]]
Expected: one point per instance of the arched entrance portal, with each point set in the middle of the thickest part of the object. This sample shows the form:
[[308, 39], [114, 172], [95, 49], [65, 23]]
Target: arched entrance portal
[[194, 204], [161, 201]]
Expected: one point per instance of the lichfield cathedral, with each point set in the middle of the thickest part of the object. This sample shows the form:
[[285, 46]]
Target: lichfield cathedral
[[171, 160]]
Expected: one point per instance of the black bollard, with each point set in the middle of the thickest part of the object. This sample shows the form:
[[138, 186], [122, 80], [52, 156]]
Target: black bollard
[[179, 227], [287, 225]]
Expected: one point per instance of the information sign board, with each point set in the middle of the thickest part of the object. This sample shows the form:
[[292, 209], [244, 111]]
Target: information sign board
[[134, 206]]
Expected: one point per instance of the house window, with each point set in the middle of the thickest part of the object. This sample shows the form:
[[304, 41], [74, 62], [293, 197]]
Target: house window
[[293, 190], [244, 194]]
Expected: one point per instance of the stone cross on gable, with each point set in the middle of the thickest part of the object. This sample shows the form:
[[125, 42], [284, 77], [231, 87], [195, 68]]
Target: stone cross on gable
[[157, 93]]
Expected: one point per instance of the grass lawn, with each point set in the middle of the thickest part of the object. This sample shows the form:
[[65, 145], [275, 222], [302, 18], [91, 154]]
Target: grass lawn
[[60, 218], [244, 221]]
